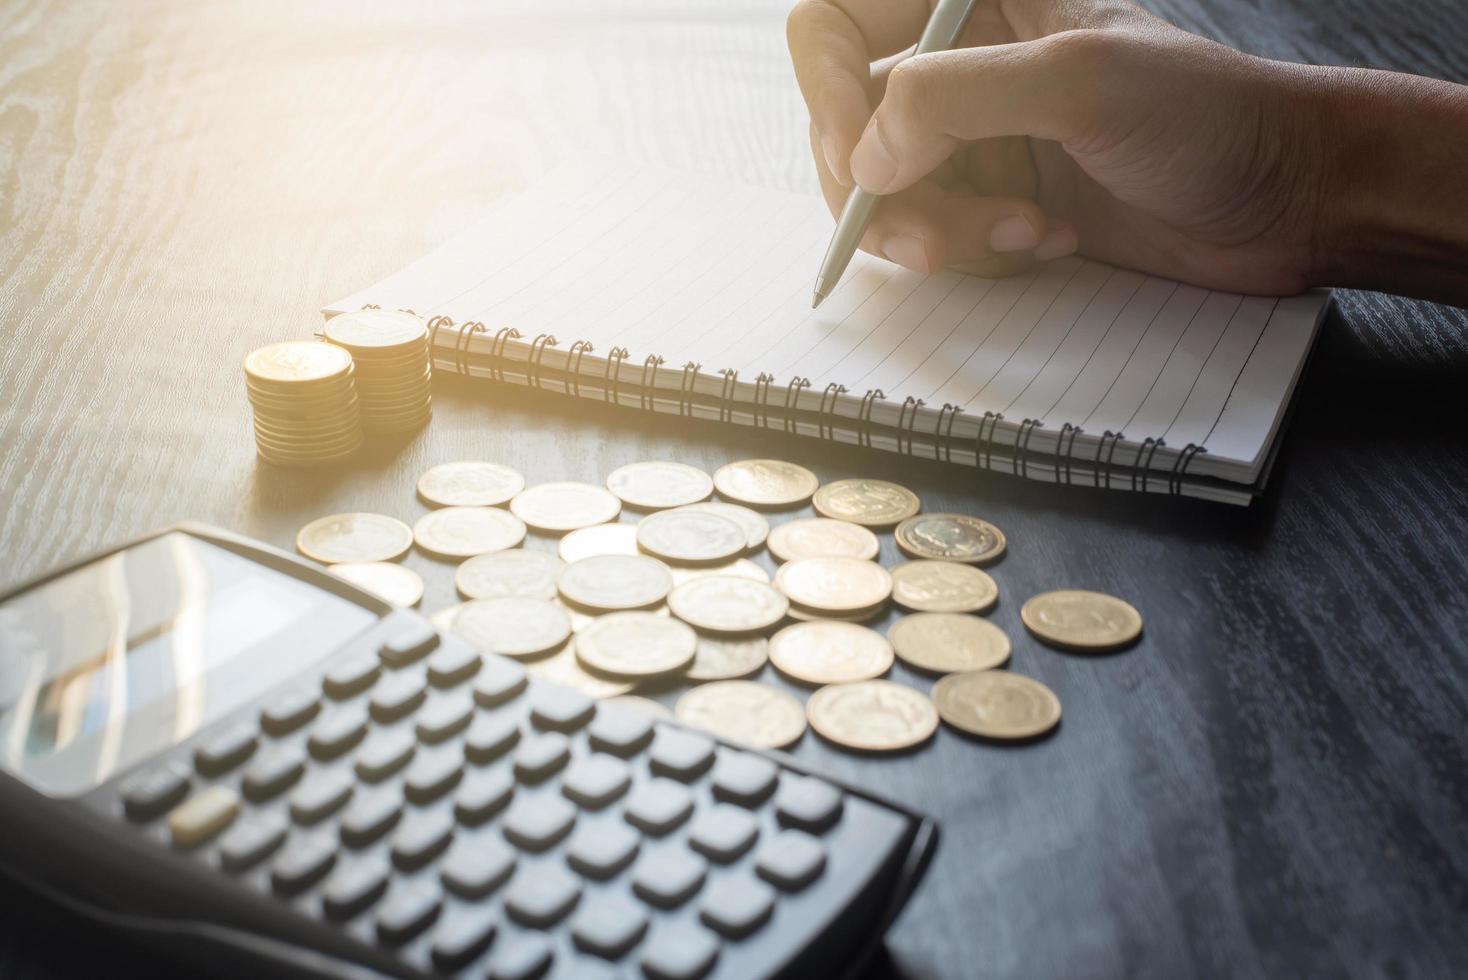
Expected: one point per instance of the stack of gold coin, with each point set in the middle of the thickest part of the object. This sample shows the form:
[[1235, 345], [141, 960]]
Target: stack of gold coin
[[305, 403], [394, 366]]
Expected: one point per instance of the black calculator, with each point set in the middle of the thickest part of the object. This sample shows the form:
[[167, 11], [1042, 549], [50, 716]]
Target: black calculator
[[214, 745]]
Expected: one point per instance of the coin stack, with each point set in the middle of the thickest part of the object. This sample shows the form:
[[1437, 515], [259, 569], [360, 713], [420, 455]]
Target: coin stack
[[305, 403], [394, 366]]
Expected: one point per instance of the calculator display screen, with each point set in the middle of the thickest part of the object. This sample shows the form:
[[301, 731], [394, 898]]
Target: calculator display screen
[[108, 664]]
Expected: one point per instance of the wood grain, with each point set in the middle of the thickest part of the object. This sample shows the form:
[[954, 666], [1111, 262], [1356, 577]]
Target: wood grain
[[1271, 783]]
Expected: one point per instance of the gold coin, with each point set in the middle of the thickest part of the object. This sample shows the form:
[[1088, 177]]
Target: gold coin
[[721, 658], [803, 615], [565, 506], [744, 711], [599, 539], [756, 528], [871, 503], [443, 620], [390, 582], [742, 567], [690, 537], [296, 363], [564, 669], [614, 582], [838, 585], [830, 652], [950, 537], [728, 604], [354, 537], [463, 532], [821, 537], [997, 704], [872, 716], [766, 482], [518, 572], [942, 586], [946, 643], [513, 626], [469, 484], [376, 331], [636, 644], [636, 703], [1079, 620], [659, 484]]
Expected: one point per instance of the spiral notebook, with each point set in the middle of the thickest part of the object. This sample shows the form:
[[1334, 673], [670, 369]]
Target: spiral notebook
[[672, 292]]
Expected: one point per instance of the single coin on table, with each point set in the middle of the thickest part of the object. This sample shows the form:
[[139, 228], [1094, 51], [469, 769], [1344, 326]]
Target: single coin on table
[[950, 537], [822, 537], [615, 582], [513, 626], [659, 484], [690, 537], [389, 581], [354, 537], [836, 585], [1076, 619], [741, 567], [766, 482], [565, 506], [294, 363], [728, 604], [722, 658], [942, 586], [756, 528], [946, 643], [599, 539], [872, 716], [997, 704], [871, 503], [636, 644], [744, 711], [636, 702], [830, 653], [564, 669], [464, 532], [469, 484], [518, 572]]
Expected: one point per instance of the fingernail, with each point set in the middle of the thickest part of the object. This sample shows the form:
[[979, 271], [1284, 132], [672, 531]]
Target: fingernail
[[833, 158], [871, 165], [1013, 234], [1059, 242], [908, 251]]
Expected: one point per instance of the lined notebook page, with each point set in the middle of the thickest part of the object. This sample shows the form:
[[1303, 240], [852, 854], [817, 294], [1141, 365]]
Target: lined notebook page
[[719, 273]]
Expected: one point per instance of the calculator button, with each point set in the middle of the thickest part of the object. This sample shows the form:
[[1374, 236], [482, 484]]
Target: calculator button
[[272, 772], [370, 816], [462, 937], [791, 859], [602, 851], [523, 957], [744, 778], [737, 906], [200, 818], [384, 753], [482, 794], [290, 711], [433, 774], [454, 663], [320, 796], [679, 951], [410, 910], [669, 877], [499, 680], [561, 708], [542, 899], [397, 696], [620, 730], [658, 806], [807, 803], [421, 838], [338, 730], [252, 840], [722, 832], [408, 644], [354, 886], [226, 750], [608, 926], [351, 676], [446, 715], [305, 861], [536, 823], [540, 755], [475, 868], [489, 736], [154, 791], [596, 780], [681, 754]]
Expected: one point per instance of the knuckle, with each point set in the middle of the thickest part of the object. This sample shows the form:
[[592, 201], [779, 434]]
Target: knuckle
[[908, 87], [1082, 51]]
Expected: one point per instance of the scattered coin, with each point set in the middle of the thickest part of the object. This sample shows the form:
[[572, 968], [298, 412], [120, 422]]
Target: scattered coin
[[615, 582], [1079, 620], [636, 644], [463, 532], [838, 585], [872, 716], [720, 658], [871, 503], [830, 652], [946, 643], [469, 484], [564, 669], [659, 484], [580, 619], [389, 581], [354, 537], [942, 586], [742, 567], [766, 482], [728, 604], [822, 537], [518, 572], [599, 539], [744, 711], [637, 703], [690, 537], [565, 506], [513, 626], [801, 614], [997, 704], [950, 537], [756, 528]]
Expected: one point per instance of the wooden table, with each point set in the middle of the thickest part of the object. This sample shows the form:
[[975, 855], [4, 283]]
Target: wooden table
[[1271, 783]]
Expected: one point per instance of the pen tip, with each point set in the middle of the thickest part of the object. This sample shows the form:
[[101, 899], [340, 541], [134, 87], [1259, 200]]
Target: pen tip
[[815, 299]]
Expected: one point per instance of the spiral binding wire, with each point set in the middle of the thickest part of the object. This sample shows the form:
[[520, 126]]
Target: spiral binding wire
[[864, 416], [650, 365], [944, 449], [1148, 450], [1022, 446], [1180, 467], [1110, 451], [726, 394], [535, 362], [612, 377], [434, 325], [907, 421], [461, 345], [984, 444], [685, 388], [792, 401], [573, 366], [1065, 450], [502, 336], [762, 399], [826, 419]]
